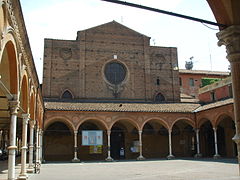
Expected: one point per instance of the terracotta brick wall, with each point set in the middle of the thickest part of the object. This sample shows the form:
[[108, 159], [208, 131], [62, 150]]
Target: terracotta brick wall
[[78, 66]]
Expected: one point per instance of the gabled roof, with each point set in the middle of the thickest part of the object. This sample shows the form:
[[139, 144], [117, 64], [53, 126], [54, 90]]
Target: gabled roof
[[112, 26]]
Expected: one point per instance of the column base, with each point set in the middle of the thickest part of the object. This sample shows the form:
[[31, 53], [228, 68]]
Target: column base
[[140, 158], [109, 159], [198, 155], [216, 156], [30, 170], [170, 156], [22, 177], [75, 160]]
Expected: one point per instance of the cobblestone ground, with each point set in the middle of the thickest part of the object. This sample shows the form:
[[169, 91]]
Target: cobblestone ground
[[141, 170]]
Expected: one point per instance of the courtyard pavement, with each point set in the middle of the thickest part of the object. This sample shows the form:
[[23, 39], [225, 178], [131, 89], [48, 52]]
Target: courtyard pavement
[[178, 169]]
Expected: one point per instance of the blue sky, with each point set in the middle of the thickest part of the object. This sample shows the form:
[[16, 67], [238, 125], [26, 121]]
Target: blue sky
[[61, 19]]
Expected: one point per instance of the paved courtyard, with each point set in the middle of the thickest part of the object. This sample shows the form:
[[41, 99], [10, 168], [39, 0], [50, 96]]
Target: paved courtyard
[[178, 169]]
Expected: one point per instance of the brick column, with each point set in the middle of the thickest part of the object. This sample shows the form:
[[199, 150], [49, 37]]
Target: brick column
[[14, 106], [23, 173], [140, 157], [31, 146], [230, 37], [75, 159], [170, 156], [109, 158], [198, 144]]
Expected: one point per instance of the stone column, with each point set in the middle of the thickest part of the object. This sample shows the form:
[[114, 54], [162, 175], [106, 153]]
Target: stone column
[[14, 106], [41, 145], [140, 157], [216, 155], [31, 146], [37, 145], [23, 173], [230, 37], [1, 139], [198, 144], [170, 156], [109, 158], [75, 159]]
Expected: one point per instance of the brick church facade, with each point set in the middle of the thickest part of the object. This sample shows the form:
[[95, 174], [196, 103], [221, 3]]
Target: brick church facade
[[111, 79]]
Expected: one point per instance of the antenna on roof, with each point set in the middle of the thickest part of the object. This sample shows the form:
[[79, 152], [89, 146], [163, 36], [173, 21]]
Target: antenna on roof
[[189, 63]]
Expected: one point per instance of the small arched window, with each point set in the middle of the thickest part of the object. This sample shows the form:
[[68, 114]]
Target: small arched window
[[67, 95], [159, 98]]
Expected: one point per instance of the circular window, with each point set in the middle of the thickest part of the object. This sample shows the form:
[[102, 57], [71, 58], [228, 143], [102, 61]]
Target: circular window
[[115, 72]]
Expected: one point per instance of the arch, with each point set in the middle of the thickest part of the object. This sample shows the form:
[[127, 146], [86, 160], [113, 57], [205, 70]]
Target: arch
[[206, 138], [222, 116], [202, 121], [92, 119], [221, 11], [59, 119], [67, 94], [155, 130], [126, 119], [9, 60], [160, 120], [24, 94], [58, 142], [185, 119], [159, 97]]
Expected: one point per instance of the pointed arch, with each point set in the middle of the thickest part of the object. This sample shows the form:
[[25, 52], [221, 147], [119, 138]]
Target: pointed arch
[[159, 97], [67, 94]]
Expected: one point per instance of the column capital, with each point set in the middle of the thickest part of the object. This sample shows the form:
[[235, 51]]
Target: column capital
[[75, 132], [230, 37], [197, 130], [169, 131], [140, 132], [26, 118], [32, 123], [14, 106], [214, 128]]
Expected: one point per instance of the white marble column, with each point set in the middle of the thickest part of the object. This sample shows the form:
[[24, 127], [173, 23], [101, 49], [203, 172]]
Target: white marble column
[[170, 156], [41, 145], [14, 106], [1, 139], [37, 146], [216, 155], [75, 159], [230, 37], [23, 173], [109, 158], [140, 157], [31, 146], [198, 144]]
